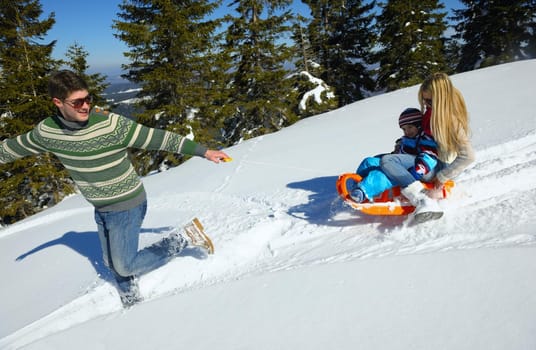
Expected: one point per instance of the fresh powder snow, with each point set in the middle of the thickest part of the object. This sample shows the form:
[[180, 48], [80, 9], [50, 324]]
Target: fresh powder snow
[[294, 268]]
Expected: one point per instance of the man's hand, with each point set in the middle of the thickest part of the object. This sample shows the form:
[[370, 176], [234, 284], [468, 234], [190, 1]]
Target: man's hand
[[216, 156]]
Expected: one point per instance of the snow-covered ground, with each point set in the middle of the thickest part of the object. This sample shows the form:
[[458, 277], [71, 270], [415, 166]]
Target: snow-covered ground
[[294, 268]]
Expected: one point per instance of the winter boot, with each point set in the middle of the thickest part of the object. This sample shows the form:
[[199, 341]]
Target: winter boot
[[174, 244], [129, 291], [357, 195], [426, 208], [169, 246]]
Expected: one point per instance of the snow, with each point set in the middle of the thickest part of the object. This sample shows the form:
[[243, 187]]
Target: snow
[[127, 91], [294, 267], [315, 93]]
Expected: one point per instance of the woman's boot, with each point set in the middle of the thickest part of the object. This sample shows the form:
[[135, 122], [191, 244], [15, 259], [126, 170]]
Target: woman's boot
[[426, 208]]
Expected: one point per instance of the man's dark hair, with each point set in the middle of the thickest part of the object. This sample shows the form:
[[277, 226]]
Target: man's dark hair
[[64, 82]]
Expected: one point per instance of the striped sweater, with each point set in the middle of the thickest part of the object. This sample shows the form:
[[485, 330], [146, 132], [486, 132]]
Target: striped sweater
[[95, 154]]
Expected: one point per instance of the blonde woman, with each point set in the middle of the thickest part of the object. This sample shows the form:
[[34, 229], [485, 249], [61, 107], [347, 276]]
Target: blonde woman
[[446, 120]]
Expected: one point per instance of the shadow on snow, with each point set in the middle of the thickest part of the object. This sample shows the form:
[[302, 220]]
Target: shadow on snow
[[324, 205], [88, 245]]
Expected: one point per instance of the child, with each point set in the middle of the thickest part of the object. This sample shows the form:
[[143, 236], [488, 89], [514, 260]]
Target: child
[[414, 142]]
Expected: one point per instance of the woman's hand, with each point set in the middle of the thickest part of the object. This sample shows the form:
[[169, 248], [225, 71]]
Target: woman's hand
[[437, 183], [217, 156]]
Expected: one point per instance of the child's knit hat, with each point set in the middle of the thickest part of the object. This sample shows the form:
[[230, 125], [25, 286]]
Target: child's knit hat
[[410, 116]]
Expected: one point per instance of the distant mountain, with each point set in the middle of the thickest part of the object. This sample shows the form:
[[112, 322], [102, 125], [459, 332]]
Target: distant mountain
[[120, 96]]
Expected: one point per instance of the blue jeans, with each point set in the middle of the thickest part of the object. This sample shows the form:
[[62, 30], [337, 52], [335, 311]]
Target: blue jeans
[[119, 233], [396, 166]]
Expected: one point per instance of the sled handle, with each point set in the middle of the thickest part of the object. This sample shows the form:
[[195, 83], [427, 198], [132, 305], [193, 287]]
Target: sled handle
[[341, 184]]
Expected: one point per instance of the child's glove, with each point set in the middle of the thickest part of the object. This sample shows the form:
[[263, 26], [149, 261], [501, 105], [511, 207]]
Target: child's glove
[[418, 171], [423, 164]]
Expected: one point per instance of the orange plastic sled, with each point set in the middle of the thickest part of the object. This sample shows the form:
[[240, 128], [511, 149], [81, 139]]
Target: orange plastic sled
[[389, 202]]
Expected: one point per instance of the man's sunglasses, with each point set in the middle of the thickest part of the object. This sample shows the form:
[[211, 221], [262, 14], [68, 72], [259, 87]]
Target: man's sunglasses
[[79, 102]]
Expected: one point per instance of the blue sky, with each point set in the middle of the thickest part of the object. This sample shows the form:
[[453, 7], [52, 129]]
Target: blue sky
[[89, 24]]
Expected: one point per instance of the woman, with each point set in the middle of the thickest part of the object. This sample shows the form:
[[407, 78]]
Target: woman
[[446, 120]]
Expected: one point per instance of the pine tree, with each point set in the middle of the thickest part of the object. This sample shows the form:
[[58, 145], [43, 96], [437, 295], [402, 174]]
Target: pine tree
[[77, 61], [530, 45], [452, 54], [171, 52], [31, 183], [342, 38], [306, 78], [261, 98], [302, 45], [494, 32], [412, 43]]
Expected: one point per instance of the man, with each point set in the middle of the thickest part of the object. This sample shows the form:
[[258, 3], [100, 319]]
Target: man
[[92, 145]]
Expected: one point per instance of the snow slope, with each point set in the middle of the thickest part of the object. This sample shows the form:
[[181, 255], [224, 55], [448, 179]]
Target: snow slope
[[294, 268]]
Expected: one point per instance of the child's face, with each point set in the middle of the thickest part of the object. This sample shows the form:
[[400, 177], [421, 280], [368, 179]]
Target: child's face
[[410, 130]]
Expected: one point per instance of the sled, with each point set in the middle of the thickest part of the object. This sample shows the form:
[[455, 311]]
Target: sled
[[389, 202]]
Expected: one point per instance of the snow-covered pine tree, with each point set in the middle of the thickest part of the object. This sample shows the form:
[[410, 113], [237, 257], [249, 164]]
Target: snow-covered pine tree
[[260, 97], [306, 75], [411, 42], [342, 38]]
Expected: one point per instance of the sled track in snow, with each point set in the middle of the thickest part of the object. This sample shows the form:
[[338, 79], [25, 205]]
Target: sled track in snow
[[503, 173], [492, 206]]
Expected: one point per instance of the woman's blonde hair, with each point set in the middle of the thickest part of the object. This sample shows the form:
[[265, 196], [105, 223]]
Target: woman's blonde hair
[[449, 121]]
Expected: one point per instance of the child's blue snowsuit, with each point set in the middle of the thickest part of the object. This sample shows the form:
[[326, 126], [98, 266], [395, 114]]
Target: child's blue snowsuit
[[374, 181]]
